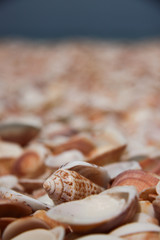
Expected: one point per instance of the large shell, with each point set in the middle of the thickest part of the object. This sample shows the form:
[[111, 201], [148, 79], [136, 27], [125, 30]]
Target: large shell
[[99, 237], [9, 194], [98, 213], [65, 185], [95, 173]]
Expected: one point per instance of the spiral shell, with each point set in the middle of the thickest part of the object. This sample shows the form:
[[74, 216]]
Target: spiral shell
[[65, 185]]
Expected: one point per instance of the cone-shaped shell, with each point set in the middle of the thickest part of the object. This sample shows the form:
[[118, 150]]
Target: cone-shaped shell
[[65, 185], [98, 213], [95, 173]]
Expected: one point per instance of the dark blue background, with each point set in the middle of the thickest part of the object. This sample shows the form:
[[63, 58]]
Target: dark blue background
[[115, 19]]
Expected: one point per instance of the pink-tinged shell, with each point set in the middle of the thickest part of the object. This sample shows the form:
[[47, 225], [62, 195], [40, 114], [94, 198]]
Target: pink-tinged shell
[[65, 185], [138, 178], [151, 164]]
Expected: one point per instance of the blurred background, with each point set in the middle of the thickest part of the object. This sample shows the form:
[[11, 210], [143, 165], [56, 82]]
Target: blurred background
[[116, 19]]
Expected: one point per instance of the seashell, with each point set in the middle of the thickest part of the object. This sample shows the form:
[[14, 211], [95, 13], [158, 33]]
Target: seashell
[[46, 200], [21, 225], [114, 169], [105, 155], [55, 234], [81, 143], [151, 164], [9, 181], [137, 231], [41, 214], [19, 131], [30, 185], [14, 209], [99, 237], [138, 178], [156, 206], [144, 218], [29, 164], [95, 173], [6, 193], [8, 153], [55, 162], [65, 185], [147, 208], [158, 188], [4, 222], [148, 194], [98, 213]]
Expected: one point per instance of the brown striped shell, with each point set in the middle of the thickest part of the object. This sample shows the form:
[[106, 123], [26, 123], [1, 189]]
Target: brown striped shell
[[65, 185]]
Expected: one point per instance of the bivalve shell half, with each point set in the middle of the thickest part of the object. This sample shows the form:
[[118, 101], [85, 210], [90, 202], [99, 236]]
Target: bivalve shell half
[[138, 178], [138, 231], [98, 213], [19, 132], [65, 185], [99, 237], [41, 234], [22, 225], [29, 164], [6, 193], [95, 173], [105, 155], [81, 143]]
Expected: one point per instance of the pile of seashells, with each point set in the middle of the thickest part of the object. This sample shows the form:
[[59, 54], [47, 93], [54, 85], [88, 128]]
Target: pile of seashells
[[65, 175]]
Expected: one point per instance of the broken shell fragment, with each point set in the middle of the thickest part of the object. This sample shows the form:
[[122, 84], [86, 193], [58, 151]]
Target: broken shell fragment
[[19, 132], [98, 213], [138, 178], [95, 173], [21, 225], [105, 155], [6, 193], [41, 234], [65, 185], [55, 162], [132, 231]]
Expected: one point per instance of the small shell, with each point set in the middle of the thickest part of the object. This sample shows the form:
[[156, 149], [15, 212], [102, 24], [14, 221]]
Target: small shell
[[151, 164], [81, 143], [139, 231], [55, 162], [65, 185], [6, 193], [105, 155], [95, 173], [19, 132], [29, 164], [138, 178], [21, 225], [54, 234]]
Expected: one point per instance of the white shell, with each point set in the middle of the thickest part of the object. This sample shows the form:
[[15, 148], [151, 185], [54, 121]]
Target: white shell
[[7, 193]]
